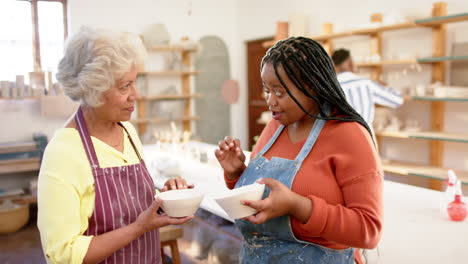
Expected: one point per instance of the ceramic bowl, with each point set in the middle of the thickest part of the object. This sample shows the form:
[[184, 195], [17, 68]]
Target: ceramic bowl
[[180, 203], [231, 201]]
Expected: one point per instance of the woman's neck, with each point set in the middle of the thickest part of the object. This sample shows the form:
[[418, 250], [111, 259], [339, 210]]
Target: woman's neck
[[96, 123], [299, 130]]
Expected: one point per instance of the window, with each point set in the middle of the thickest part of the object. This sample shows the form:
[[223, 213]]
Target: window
[[33, 33]]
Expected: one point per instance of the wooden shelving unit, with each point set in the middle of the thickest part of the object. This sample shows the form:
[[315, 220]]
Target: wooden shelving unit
[[433, 98], [169, 73], [164, 120], [434, 21], [364, 31], [187, 94], [172, 48], [168, 97], [442, 59], [21, 199], [21, 98], [390, 62], [441, 20], [437, 23], [18, 147], [431, 172], [411, 61], [443, 136], [19, 165]]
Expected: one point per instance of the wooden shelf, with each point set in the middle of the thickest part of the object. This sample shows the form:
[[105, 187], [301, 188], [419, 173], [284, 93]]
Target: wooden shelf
[[172, 48], [365, 31], [422, 171], [433, 98], [332, 36], [18, 147], [389, 62], [453, 137], [370, 31], [169, 73], [144, 116], [168, 97], [21, 98], [439, 59], [19, 165], [436, 21], [433, 21], [163, 120], [23, 199]]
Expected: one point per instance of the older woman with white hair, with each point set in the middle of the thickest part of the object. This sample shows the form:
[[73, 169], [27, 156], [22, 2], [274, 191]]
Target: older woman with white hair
[[96, 197]]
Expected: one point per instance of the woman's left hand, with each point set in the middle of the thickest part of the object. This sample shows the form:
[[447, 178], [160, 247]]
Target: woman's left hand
[[175, 184], [278, 203]]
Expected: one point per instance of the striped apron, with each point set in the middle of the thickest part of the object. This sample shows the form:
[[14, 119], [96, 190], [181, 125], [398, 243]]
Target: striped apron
[[121, 194]]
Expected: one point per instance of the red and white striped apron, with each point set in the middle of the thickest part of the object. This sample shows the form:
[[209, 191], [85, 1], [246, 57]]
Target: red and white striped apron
[[121, 194]]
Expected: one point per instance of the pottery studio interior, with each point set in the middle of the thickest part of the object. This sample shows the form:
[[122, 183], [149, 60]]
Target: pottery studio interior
[[205, 131]]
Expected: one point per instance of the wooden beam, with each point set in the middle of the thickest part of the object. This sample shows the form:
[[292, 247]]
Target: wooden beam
[[327, 28], [436, 153], [437, 124], [142, 114], [376, 47], [376, 17], [439, 9], [186, 90], [65, 19], [35, 36]]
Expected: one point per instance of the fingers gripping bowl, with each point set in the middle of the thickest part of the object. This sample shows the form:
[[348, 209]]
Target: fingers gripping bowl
[[180, 203], [231, 201]]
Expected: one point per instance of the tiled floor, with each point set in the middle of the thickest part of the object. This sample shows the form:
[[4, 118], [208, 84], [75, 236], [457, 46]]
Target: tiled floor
[[218, 240], [22, 247]]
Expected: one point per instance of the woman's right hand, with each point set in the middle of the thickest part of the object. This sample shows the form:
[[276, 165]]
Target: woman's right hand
[[149, 219], [230, 156]]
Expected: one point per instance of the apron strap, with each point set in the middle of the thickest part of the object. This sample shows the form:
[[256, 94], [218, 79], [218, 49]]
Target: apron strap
[[131, 141], [271, 141], [310, 142], [312, 138], [86, 139], [313, 135]]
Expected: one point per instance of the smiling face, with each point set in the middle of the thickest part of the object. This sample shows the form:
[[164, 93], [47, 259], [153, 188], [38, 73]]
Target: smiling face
[[282, 106], [119, 100]]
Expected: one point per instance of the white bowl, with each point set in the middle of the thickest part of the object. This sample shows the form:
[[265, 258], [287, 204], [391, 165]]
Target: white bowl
[[180, 203], [231, 201]]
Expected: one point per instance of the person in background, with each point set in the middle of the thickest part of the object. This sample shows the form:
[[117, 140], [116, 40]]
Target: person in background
[[95, 195], [319, 163], [362, 93]]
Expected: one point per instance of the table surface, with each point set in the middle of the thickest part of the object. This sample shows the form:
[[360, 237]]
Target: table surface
[[414, 229]]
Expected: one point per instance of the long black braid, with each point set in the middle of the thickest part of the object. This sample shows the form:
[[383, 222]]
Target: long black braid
[[310, 68]]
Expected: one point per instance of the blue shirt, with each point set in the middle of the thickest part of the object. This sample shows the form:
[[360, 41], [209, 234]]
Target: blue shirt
[[362, 94]]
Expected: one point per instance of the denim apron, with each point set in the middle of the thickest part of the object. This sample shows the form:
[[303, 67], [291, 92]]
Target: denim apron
[[274, 241]]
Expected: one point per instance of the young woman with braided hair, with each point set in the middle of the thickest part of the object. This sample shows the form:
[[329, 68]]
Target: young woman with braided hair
[[318, 160]]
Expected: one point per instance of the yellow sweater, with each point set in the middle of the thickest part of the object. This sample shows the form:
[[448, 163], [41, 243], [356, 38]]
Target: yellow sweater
[[66, 191]]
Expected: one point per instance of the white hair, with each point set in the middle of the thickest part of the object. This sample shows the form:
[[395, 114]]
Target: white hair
[[94, 60]]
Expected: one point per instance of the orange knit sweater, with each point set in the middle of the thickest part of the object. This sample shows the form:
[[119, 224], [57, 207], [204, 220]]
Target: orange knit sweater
[[343, 179]]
